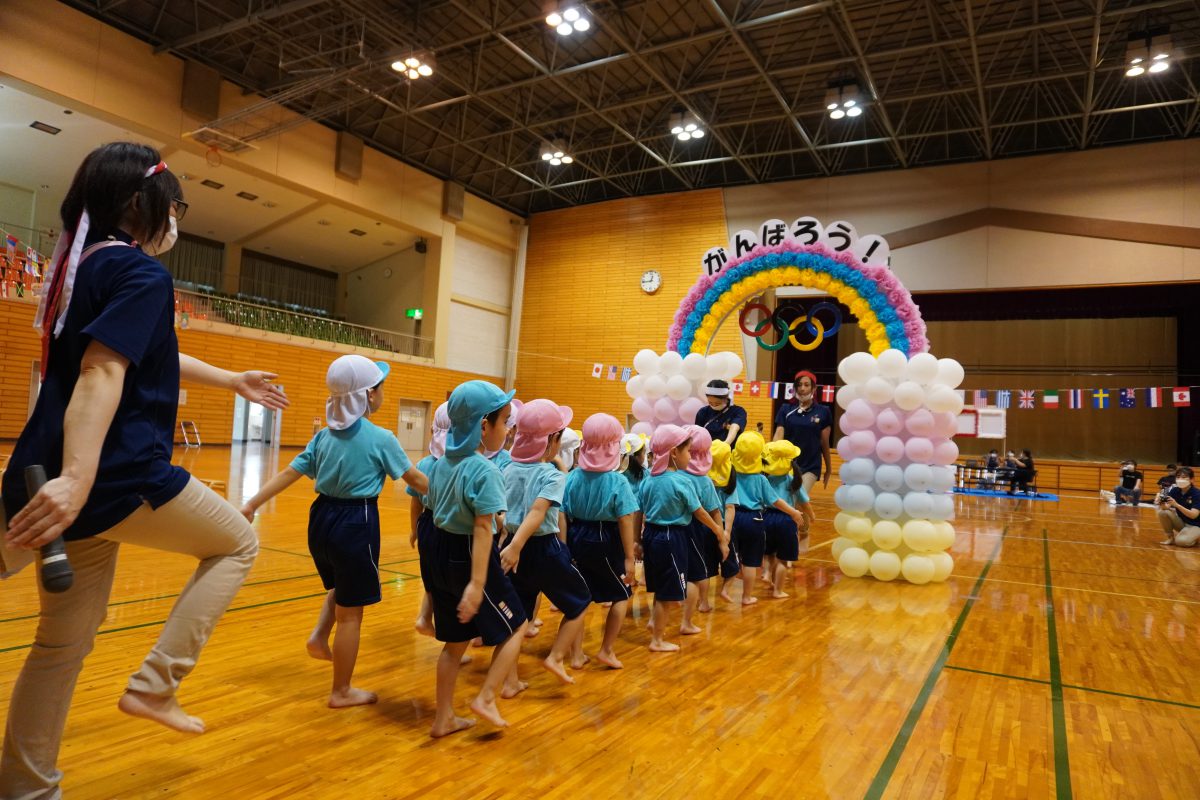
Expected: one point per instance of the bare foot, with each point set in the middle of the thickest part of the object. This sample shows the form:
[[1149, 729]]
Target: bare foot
[[466, 659], [489, 712], [778, 595], [1168, 542], [318, 649], [511, 690], [454, 726], [704, 607], [424, 627], [477, 641], [724, 595], [689, 630], [581, 662], [352, 697], [163, 710], [663, 647], [749, 601], [557, 669], [532, 631], [537, 623], [609, 660]]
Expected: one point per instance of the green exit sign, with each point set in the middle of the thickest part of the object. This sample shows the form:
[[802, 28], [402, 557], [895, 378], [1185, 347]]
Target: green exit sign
[[415, 313]]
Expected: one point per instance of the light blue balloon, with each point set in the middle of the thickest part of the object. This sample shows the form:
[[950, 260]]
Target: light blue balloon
[[918, 477], [889, 477], [859, 499], [918, 505], [888, 505]]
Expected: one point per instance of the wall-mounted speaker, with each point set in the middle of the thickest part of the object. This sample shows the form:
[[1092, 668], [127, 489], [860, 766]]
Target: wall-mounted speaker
[[348, 161], [201, 94], [452, 201]]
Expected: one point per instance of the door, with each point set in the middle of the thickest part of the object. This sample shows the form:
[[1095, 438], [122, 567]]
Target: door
[[413, 424]]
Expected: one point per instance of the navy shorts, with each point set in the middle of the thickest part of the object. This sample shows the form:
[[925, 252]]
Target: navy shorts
[[783, 540], [425, 531], [700, 565], [545, 567], [750, 533], [600, 557], [664, 557], [343, 538], [449, 562]]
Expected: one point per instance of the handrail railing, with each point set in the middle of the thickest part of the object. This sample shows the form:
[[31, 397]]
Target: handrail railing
[[193, 306]]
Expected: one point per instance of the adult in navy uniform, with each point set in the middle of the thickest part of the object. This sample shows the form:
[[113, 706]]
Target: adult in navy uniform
[[723, 420], [806, 423], [103, 427]]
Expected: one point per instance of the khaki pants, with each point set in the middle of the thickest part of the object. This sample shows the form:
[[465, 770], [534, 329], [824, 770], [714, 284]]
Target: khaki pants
[[198, 523], [1181, 534]]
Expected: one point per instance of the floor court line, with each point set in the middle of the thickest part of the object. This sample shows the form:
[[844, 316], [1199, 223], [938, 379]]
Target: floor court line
[[1062, 761]]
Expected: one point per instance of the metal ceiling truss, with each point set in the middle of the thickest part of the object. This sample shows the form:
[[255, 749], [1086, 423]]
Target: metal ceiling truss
[[943, 81]]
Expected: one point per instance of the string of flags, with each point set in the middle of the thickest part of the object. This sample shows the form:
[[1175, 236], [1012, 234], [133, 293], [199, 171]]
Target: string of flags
[[1017, 399], [21, 268]]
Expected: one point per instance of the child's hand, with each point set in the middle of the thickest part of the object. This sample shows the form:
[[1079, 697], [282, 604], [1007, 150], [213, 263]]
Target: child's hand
[[723, 546], [412, 540], [468, 607], [248, 512], [509, 557], [637, 552], [630, 576]]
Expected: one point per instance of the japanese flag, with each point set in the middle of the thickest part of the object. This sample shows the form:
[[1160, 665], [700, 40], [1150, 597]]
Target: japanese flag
[[597, 369]]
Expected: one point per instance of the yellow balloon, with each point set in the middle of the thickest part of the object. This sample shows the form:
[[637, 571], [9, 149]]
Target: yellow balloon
[[840, 545], [943, 565], [917, 569], [884, 566], [854, 561]]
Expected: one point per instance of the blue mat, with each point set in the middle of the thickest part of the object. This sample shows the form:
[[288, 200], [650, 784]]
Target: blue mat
[[1004, 493]]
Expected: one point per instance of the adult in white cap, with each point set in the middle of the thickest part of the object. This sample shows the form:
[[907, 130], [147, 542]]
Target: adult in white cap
[[723, 419]]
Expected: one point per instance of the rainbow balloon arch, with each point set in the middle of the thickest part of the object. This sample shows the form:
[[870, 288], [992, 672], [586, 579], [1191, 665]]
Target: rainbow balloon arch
[[899, 401]]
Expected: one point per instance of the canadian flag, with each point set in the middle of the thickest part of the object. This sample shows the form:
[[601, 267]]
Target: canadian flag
[[737, 387], [1181, 396]]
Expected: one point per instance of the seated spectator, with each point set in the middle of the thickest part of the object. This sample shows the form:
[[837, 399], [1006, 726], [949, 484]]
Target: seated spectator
[[1168, 480], [1179, 510], [1022, 471], [1130, 487], [990, 469]]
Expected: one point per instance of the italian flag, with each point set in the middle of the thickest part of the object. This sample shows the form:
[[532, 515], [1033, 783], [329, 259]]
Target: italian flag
[[1050, 398]]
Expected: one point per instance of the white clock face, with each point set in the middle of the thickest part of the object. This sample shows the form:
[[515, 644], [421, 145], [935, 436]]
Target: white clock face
[[651, 281]]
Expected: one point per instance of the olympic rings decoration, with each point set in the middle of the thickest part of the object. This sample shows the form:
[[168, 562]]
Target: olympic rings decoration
[[785, 331]]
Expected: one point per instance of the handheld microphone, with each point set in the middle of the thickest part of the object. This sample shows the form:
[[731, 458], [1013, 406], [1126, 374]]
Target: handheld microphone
[[57, 575]]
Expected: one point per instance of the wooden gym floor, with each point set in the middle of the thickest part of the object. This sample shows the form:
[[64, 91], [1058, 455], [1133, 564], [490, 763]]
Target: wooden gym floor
[[1060, 660]]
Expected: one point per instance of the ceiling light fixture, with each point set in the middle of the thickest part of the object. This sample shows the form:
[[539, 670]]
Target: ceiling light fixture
[[842, 99], [555, 152], [569, 20], [1148, 51], [416, 65], [686, 126], [45, 128]]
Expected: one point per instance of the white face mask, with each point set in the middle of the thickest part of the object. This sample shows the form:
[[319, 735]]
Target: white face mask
[[1183, 483], [165, 243]]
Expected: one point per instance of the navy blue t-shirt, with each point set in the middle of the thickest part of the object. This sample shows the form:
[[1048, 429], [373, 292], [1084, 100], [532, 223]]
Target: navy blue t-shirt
[[717, 423], [123, 299], [803, 429]]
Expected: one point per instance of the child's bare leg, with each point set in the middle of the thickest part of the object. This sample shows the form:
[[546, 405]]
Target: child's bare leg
[[568, 629], [725, 587], [691, 599], [777, 579], [579, 659], [535, 624], [424, 621], [445, 721], [345, 653], [318, 640], [749, 575], [704, 606], [659, 618], [503, 659], [612, 628]]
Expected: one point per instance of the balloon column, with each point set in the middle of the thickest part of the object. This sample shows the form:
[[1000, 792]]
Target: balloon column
[[899, 420], [669, 388]]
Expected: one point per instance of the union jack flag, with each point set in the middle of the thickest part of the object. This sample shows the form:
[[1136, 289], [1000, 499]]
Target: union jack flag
[[1025, 398]]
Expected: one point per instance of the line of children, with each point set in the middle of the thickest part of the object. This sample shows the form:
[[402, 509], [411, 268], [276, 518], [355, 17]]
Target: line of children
[[783, 535], [705, 551]]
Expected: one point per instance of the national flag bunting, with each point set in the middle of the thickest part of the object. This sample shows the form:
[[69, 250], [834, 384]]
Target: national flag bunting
[[981, 398], [737, 387], [1154, 398], [1026, 398], [1100, 399], [1050, 398], [597, 369], [775, 390], [1181, 396], [1003, 398], [1128, 398], [828, 394], [1075, 398], [789, 391], [612, 372], [626, 374]]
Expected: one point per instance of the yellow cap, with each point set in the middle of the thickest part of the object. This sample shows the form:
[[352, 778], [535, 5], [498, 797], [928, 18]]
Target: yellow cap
[[748, 452], [719, 472], [777, 457]]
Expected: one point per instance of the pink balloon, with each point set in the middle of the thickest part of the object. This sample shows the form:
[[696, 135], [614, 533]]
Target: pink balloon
[[862, 443], [919, 449], [665, 409], [945, 424], [689, 408], [889, 449], [860, 414], [847, 425], [845, 448], [642, 428], [945, 453], [920, 422], [889, 422], [643, 409]]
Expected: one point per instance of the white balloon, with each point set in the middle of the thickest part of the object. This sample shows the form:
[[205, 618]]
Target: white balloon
[[888, 505], [922, 368], [857, 368], [694, 366], [919, 477], [892, 363], [878, 390], [909, 395], [949, 373], [733, 365], [669, 363], [942, 479], [847, 394], [884, 565], [872, 250], [889, 477], [646, 362], [942, 399], [678, 387], [854, 561], [654, 387], [918, 505], [635, 387], [714, 365], [942, 507]]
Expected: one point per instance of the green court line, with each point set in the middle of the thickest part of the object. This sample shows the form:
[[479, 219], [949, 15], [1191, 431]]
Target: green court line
[[1132, 696], [998, 674], [1062, 763], [892, 759], [262, 546], [161, 621]]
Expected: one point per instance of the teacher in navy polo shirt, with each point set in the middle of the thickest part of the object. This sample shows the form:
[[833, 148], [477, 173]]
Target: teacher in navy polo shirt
[[806, 423], [723, 420], [103, 427]]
